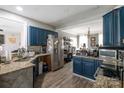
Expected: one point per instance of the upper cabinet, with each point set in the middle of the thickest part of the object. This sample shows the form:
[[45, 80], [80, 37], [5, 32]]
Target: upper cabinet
[[38, 36], [51, 33], [107, 28], [122, 25], [113, 29]]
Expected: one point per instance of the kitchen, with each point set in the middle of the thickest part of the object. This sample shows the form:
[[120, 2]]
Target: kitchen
[[70, 49]]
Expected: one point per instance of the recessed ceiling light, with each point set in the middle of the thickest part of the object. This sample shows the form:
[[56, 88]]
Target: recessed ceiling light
[[19, 8]]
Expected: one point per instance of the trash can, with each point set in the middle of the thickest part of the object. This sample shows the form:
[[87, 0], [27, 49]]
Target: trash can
[[45, 67]]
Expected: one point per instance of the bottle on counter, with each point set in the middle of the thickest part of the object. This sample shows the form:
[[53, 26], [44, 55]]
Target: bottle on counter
[[8, 56]]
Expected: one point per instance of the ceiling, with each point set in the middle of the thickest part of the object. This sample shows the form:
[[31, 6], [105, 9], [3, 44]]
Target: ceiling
[[55, 15], [50, 14], [10, 26], [92, 26], [62, 16]]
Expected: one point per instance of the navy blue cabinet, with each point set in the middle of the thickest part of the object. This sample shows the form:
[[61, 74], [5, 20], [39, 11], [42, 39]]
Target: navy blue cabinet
[[51, 33], [42, 37], [116, 28], [113, 29], [89, 69], [108, 29], [85, 66], [38, 36], [32, 35], [122, 25], [77, 66]]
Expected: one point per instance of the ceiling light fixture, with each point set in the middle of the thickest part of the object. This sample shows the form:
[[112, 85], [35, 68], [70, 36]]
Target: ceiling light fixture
[[19, 8]]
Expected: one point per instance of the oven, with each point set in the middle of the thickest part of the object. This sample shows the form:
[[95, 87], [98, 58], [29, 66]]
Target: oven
[[109, 58], [111, 62], [108, 53], [109, 65]]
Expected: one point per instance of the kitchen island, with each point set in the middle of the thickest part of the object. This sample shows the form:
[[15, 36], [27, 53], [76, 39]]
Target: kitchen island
[[19, 73], [90, 68], [85, 66]]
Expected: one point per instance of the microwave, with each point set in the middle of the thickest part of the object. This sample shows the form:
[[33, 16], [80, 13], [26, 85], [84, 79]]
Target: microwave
[[108, 53]]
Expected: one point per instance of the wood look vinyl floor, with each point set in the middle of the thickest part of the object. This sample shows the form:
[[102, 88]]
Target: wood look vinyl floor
[[62, 78]]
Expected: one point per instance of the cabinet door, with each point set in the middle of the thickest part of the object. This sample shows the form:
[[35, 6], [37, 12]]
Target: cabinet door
[[108, 29], [77, 66], [52, 33], [116, 27], [88, 69], [42, 37], [97, 64], [37, 36], [33, 36], [122, 26]]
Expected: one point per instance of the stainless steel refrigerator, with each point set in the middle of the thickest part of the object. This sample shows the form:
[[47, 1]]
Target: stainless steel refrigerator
[[56, 48]]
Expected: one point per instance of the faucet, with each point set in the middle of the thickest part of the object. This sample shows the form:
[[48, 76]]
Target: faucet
[[21, 52]]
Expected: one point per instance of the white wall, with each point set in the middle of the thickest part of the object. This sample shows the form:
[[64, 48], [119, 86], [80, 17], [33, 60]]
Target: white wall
[[101, 39], [74, 41], [61, 34], [10, 46], [26, 22], [73, 37], [84, 39]]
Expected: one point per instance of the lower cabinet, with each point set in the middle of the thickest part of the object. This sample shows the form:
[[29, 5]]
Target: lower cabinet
[[77, 66], [88, 69], [85, 67]]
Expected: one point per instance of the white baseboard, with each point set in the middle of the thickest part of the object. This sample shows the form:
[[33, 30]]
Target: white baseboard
[[83, 77]]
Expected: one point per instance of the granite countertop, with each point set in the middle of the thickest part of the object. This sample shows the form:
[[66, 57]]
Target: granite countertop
[[106, 82], [112, 62], [104, 59], [15, 66], [89, 57]]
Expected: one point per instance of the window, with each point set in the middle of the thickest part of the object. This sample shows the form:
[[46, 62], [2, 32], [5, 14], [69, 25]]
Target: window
[[83, 39], [74, 41], [100, 39]]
